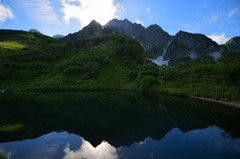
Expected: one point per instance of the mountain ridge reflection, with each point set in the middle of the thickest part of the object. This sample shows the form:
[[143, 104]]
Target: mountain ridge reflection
[[120, 118], [175, 144]]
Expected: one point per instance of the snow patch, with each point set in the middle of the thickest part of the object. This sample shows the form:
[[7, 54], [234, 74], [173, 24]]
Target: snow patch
[[159, 61], [217, 55]]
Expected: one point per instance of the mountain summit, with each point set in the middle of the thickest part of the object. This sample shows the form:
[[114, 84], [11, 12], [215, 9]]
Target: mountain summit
[[93, 29], [166, 49], [233, 44], [187, 46], [153, 38]]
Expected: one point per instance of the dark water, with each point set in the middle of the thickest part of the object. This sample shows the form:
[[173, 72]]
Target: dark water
[[109, 125]]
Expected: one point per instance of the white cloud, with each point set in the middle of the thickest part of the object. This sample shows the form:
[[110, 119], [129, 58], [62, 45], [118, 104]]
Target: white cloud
[[233, 12], [5, 13], [40, 10], [213, 18], [139, 21], [148, 10], [150, 16], [87, 151], [200, 22], [87, 10], [219, 38]]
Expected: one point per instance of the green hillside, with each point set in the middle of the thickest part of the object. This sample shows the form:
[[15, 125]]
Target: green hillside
[[35, 61], [32, 61], [208, 78]]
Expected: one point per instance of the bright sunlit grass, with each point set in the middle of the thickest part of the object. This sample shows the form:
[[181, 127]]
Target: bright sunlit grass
[[11, 45], [11, 127]]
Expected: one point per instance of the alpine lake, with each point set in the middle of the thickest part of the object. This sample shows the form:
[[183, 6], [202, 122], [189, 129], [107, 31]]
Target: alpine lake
[[116, 124]]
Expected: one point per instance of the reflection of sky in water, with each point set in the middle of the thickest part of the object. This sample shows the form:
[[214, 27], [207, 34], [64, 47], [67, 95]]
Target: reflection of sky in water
[[205, 143], [87, 151], [46, 146]]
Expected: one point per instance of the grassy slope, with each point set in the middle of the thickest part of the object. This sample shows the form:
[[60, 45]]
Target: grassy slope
[[35, 61]]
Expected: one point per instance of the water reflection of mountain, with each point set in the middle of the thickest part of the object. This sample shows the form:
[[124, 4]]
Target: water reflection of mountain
[[120, 118]]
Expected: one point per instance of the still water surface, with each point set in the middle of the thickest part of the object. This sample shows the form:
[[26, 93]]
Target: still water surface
[[112, 125]]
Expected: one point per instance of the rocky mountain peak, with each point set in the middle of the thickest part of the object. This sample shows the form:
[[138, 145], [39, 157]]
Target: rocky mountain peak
[[34, 31], [187, 46], [154, 27], [182, 47], [94, 25], [93, 29], [153, 38], [233, 44], [94, 22], [124, 27], [181, 32], [117, 22]]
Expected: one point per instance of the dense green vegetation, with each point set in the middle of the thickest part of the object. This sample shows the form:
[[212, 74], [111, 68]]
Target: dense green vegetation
[[2, 156], [32, 61], [217, 79], [102, 63]]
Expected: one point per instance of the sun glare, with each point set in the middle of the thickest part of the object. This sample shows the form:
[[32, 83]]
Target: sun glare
[[88, 10]]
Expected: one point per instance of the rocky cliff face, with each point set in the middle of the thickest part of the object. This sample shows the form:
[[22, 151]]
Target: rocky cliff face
[[156, 40], [166, 49], [93, 29], [186, 46], [153, 38], [125, 28], [233, 44]]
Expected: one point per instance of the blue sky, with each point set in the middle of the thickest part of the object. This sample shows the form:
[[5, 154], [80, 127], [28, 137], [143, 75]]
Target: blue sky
[[218, 19]]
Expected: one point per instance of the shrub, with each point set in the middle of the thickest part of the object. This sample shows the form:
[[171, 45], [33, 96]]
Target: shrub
[[149, 68], [72, 70], [147, 82], [85, 70]]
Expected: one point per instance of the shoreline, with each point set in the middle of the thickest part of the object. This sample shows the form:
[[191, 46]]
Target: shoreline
[[233, 104]]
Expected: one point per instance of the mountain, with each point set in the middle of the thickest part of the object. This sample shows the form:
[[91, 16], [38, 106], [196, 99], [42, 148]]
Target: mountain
[[99, 57], [186, 46], [125, 28], [34, 31], [167, 49], [233, 44], [153, 38], [58, 36], [164, 48], [92, 30], [35, 61]]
